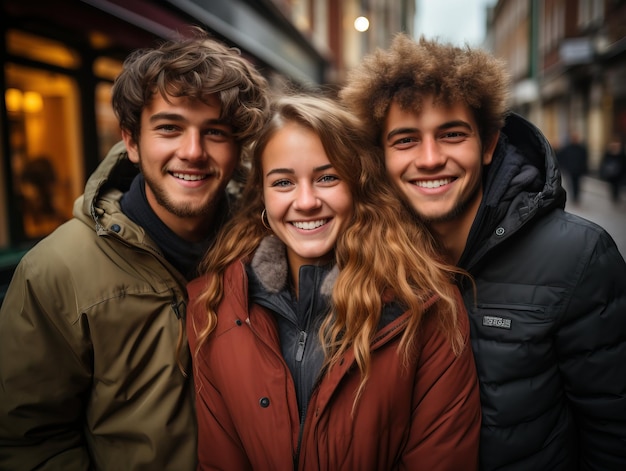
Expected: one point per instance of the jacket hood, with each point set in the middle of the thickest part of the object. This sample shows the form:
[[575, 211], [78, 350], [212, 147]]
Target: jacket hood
[[99, 206], [269, 265], [522, 182], [116, 171], [269, 281]]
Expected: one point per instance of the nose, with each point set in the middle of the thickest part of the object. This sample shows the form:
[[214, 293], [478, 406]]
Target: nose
[[431, 155], [306, 198], [191, 145]]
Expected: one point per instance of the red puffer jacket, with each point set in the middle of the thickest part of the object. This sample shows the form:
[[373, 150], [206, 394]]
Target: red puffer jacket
[[424, 415]]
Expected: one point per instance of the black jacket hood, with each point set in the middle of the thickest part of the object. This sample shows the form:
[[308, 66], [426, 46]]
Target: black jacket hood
[[522, 182]]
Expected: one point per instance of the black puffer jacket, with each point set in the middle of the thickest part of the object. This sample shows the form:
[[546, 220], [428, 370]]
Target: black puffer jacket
[[548, 325]]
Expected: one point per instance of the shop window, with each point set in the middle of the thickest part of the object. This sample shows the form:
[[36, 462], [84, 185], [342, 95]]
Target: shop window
[[108, 128], [43, 122], [107, 68], [41, 49]]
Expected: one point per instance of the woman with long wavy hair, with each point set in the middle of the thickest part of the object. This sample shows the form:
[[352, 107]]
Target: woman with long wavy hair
[[326, 331]]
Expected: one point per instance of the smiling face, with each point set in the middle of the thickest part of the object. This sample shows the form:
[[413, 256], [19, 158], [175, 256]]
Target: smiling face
[[436, 159], [307, 203], [187, 156]]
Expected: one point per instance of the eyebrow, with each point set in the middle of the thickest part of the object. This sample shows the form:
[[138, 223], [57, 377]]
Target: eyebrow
[[441, 127], [321, 168], [177, 117]]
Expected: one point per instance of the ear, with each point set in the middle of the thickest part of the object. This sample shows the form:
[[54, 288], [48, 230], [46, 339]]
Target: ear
[[489, 148], [131, 146]]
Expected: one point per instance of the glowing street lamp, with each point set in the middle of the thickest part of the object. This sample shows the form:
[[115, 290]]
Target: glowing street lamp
[[361, 24]]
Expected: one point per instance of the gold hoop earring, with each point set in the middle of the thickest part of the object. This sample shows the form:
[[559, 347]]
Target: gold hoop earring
[[264, 220]]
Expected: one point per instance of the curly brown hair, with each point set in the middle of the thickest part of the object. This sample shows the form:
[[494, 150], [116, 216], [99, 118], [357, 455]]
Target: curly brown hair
[[411, 70], [194, 67]]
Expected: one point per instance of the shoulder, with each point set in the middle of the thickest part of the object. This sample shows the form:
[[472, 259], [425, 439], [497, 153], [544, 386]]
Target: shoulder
[[555, 239], [553, 252], [572, 236], [69, 245], [235, 288], [77, 262]]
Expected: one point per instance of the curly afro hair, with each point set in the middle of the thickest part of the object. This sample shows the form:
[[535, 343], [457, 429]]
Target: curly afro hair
[[411, 70]]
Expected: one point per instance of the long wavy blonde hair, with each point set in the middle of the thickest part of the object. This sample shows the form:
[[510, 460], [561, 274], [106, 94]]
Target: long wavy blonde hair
[[384, 253]]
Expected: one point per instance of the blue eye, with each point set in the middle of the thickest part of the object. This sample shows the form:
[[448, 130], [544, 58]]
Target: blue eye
[[281, 183], [328, 178]]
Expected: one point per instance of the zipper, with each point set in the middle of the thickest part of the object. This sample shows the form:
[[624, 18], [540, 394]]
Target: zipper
[[299, 356], [301, 345]]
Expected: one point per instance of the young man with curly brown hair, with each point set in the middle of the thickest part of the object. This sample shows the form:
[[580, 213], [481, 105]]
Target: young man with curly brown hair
[[548, 305], [93, 351]]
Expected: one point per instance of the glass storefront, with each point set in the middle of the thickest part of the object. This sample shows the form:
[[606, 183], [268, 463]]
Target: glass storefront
[[44, 130]]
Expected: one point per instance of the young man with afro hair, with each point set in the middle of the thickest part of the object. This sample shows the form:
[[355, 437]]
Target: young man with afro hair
[[547, 303]]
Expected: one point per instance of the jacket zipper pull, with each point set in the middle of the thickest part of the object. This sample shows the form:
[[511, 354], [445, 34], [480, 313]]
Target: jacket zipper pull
[[301, 345]]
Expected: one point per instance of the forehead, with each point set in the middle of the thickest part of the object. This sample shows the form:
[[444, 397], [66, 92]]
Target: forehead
[[159, 101], [294, 145], [429, 112]]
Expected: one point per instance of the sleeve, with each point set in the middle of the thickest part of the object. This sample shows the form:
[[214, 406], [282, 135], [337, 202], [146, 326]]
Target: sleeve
[[446, 418], [591, 346], [42, 377], [219, 447]]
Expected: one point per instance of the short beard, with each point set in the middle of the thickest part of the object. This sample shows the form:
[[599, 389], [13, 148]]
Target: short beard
[[457, 211], [183, 210], [454, 214]]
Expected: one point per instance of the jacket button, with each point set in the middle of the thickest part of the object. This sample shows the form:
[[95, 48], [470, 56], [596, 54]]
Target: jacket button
[[264, 402], [500, 231], [238, 322], [116, 228]]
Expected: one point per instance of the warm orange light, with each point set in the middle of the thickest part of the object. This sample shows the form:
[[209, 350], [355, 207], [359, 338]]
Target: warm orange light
[[33, 102], [13, 98]]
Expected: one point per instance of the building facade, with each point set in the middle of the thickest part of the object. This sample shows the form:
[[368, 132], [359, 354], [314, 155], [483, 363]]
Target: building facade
[[60, 60], [567, 59]]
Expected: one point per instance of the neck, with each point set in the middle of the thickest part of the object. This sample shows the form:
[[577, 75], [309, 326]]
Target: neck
[[452, 240], [453, 233], [190, 228]]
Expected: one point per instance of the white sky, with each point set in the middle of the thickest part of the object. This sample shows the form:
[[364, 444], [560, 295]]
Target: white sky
[[457, 21]]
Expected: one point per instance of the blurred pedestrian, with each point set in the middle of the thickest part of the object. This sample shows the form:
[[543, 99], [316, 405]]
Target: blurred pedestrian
[[573, 161], [613, 166], [38, 190]]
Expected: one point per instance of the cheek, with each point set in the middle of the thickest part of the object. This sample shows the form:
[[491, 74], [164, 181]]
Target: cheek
[[229, 158], [394, 166], [344, 205], [275, 206]]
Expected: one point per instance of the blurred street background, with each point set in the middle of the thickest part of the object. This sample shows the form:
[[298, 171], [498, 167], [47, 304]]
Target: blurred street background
[[567, 60], [596, 205]]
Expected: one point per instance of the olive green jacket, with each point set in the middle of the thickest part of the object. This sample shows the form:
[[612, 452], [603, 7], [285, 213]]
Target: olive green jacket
[[89, 377]]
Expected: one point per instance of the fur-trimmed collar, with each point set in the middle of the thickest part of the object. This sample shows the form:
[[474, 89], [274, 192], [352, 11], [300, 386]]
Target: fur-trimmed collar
[[270, 266]]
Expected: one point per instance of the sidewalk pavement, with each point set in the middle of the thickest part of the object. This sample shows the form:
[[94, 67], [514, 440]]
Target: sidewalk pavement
[[595, 205]]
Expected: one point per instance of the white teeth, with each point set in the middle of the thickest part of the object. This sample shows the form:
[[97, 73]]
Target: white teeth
[[433, 183], [187, 177], [310, 225]]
